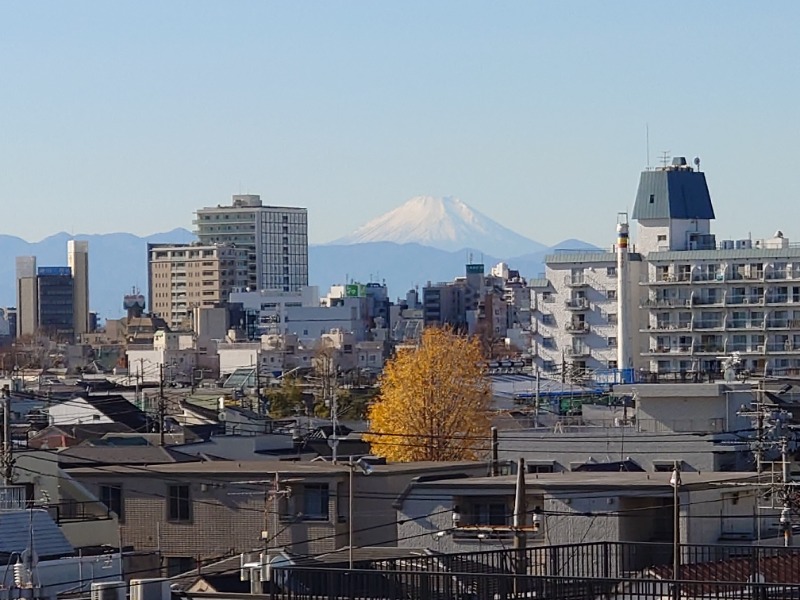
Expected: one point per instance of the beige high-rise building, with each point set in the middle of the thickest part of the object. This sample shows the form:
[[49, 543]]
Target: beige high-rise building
[[183, 277], [78, 262]]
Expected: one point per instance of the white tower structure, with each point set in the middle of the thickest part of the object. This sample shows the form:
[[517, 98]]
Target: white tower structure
[[624, 360]]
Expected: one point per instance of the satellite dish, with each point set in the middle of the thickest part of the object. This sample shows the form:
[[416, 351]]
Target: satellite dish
[[696, 161], [221, 416]]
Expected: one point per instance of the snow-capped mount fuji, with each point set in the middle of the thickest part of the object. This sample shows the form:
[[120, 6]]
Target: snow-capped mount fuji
[[444, 223]]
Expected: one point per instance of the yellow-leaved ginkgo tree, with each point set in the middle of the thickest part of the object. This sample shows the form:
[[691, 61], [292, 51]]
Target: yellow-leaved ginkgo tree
[[434, 401]]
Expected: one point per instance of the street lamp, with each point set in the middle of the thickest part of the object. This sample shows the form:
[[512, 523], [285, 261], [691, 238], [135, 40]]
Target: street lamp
[[366, 469], [675, 482]]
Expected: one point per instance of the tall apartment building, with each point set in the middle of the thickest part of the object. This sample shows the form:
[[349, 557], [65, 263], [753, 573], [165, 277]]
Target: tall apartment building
[[275, 237], [693, 301], [55, 287], [27, 296], [78, 262], [187, 276]]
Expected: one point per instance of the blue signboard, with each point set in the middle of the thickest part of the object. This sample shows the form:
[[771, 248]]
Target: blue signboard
[[54, 271]]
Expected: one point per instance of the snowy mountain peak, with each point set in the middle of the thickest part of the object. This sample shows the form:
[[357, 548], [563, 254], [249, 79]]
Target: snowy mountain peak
[[446, 223]]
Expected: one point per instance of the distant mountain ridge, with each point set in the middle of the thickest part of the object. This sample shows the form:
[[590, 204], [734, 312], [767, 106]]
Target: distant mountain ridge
[[118, 262], [444, 223]]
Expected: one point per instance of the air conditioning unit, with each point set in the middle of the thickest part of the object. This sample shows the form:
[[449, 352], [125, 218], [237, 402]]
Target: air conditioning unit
[[109, 590], [150, 589]]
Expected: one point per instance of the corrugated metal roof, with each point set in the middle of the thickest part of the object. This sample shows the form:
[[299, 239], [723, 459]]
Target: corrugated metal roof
[[743, 254], [587, 257], [542, 282], [15, 533], [674, 194]]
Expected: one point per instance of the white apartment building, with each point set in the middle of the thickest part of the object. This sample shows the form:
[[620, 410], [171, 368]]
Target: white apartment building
[[575, 311], [693, 301], [275, 237]]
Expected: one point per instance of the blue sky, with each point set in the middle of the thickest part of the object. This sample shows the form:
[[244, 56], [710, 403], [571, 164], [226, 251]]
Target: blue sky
[[127, 116]]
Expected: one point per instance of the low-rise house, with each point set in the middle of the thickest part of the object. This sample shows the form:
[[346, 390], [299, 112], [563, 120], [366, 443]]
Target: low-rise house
[[207, 510], [95, 410], [567, 508]]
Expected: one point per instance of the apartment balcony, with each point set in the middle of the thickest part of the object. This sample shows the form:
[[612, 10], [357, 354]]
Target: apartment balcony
[[668, 326], [580, 352], [696, 301], [700, 324], [577, 304], [777, 299], [779, 347], [709, 348], [744, 324], [668, 278], [665, 303], [578, 328], [778, 323], [576, 281], [677, 349], [708, 277]]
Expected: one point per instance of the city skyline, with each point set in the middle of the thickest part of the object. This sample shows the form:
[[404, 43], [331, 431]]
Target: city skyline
[[128, 119]]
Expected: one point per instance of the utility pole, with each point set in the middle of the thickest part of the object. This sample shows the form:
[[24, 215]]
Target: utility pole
[[520, 534], [162, 408], [7, 450], [786, 511], [495, 467]]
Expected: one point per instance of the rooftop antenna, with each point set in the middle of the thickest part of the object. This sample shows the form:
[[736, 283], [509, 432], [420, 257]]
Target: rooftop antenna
[[665, 158], [647, 142], [697, 163]]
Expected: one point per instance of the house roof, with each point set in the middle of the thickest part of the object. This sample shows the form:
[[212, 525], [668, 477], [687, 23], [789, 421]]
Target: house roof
[[79, 456], [261, 468], [600, 480], [17, 527], [81, 433], [781, 568], [672, 194], [118, 409]]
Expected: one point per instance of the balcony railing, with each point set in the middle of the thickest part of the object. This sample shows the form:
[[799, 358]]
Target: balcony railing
[[699, 324], [577, 328], [577, 304]]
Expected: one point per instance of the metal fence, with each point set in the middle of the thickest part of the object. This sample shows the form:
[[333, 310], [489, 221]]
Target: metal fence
[[593, 570]]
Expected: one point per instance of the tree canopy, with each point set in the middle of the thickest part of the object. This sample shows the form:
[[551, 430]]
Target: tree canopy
[[433, 403]]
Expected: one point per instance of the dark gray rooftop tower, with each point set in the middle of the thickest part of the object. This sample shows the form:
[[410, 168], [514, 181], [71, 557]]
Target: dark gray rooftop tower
[[673, 209]]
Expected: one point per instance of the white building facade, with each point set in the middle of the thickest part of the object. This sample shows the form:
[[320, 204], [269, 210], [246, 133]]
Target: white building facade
[[693, 301]]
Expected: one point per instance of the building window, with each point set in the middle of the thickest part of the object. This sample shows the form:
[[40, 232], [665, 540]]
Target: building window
[[486, 511], [111, 496], [315, 501], [611, 294], [612, 318], [612, 342], [611, 271], [612, 364], [179, 506], [662, 238], [179, 564]]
